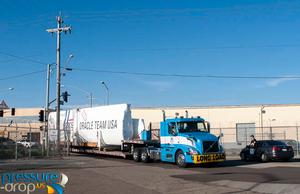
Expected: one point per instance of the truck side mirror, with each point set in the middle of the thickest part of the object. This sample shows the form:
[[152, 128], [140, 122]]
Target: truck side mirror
[[207, 126], [221, 135]]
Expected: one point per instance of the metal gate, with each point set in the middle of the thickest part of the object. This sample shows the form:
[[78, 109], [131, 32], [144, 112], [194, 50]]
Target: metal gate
[[243, 132]]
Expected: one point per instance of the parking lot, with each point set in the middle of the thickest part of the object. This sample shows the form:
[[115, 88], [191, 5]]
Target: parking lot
[[94, 174]]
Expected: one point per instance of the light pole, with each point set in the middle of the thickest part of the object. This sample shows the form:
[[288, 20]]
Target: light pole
[[16, 146], [90, 94], [46, 135], [262, 111], [107, 90], [271, 129]]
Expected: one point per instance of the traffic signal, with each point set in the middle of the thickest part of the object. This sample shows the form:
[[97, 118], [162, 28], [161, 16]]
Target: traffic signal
[[13, 111], [65, 96], [1, 113], [41, 115]]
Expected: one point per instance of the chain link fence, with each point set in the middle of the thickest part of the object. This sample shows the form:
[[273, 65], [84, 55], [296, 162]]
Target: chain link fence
[[32, 140], [236, 138], [18, 142]]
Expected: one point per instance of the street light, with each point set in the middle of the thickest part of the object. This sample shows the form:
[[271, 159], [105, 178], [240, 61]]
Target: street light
[[107, 90], [7, 89], [90, 94], [71, 56], [271, 120], [67, 68]]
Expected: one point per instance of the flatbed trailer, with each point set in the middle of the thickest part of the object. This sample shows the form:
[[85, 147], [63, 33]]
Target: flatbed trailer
[[126, 151], [87, 150]]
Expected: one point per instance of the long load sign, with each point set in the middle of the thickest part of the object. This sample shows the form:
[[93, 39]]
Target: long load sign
[[209, 158]]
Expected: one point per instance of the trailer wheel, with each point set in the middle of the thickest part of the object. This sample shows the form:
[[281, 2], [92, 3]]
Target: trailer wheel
[[180, 159], [136, 155], [144, 156]]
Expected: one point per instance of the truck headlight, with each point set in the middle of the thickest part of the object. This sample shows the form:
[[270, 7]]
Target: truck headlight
[[192, 151]]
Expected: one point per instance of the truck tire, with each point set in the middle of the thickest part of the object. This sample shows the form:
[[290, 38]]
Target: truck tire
[[180, 159], [144, 156], [136, 155]]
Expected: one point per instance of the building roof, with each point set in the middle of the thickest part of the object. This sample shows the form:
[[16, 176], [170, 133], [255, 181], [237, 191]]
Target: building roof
[[215, 107], [3, 105]]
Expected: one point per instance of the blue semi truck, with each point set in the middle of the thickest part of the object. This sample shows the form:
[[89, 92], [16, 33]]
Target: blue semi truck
[[181, 140]]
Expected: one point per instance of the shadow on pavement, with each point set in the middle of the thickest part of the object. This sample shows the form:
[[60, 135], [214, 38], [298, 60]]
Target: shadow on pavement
[[81, 161]]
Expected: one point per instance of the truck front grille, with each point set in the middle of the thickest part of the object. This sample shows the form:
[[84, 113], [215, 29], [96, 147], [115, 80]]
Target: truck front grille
[[210, 146]]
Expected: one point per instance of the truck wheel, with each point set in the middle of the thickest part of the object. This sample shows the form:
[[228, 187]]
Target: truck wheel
[[144, 156], [264, 157], [136, 155], [180, 159]]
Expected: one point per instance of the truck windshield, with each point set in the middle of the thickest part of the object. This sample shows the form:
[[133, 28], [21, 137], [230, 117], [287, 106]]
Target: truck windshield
[[186, 127]]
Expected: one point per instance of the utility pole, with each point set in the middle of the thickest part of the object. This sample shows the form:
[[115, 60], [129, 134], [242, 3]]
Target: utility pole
[[58, 31], [262, 111], [46, 135]]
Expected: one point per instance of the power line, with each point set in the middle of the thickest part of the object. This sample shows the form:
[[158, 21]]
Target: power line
[[158, 49], [201, 48], [186, 75], [21, 75], [155, 12], [23, 58], [159, 75]]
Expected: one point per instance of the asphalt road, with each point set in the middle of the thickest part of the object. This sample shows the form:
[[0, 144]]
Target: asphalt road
[[94, 174]]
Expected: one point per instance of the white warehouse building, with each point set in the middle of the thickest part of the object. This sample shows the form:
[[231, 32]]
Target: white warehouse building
[[237, 123]]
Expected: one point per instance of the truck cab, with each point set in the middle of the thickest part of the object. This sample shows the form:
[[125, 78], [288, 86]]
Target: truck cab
[[189, 141]]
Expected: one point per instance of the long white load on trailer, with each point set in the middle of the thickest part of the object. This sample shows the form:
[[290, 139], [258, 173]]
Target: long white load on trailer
[[103, 126]]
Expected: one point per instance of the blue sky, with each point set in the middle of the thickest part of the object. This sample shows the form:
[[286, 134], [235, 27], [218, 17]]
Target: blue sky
[[232, 37]]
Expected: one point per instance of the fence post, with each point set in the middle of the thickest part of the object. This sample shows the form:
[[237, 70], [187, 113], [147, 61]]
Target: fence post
[[47, 140], [271, 133], [29, 154], [297, 132], [220, 134], [16, 148], [246, 136]]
